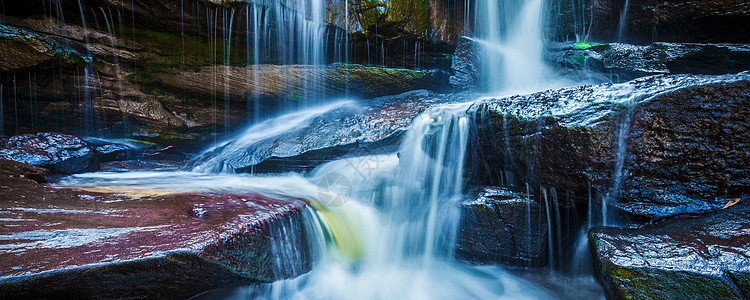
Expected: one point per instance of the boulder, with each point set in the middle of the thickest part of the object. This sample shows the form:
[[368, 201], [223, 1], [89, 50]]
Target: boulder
[[58, 152], [466, 63], [499, 226], [62, 243], [320, 134], [631, 61], [654, 147], [703, 257]]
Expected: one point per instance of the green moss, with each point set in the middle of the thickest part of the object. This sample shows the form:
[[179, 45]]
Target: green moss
[[410, 16]]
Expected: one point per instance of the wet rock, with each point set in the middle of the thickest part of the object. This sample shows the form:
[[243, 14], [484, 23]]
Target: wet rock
[[140, 165], [654, 147], [346, 129], [499, 226], [465, 65], [115, 150], [697, 257], [630, 61], [67, 243], [58, 152], [22, 50]]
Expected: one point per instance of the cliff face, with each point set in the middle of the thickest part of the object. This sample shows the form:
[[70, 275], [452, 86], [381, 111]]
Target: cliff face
[[646, 21]]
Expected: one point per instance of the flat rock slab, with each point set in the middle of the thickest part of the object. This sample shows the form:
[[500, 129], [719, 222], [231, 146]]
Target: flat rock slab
[[690, 258], [66, 243]]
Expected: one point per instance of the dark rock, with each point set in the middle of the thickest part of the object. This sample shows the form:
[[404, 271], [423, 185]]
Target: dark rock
[[647, 21], [502, 227], [13, 169], [60, 243], [630, 61], [139, 165], [654, 147], [465, 63], [114, 150], [58, 152], [694, 257]]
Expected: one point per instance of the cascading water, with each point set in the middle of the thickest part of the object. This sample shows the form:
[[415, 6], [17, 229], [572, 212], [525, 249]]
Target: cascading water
[[622, 26], [391, 220], [513, 44]]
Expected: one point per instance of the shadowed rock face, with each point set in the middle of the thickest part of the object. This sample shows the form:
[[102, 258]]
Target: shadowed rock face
[[500, 226], [662, 146], [698, 258], [697, 21], [66, 243]]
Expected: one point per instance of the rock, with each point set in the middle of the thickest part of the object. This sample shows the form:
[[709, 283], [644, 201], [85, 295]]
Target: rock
[[697, 257], [320, 134], [499, 226], [654, 147], [116, 150], [630, 61], [294, 82], [466, 63], [23, 50], [10, 169], [140, 165], [67, 243], [58, 152], [647, 21]]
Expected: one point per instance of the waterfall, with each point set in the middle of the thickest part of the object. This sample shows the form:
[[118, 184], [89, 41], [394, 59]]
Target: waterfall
[[252, 145], [383, 226], [622, 26], [513, 44]]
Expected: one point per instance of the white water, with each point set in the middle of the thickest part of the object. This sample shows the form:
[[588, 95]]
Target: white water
[[622, 26], [513, 40], [242, 149], [392, 219]]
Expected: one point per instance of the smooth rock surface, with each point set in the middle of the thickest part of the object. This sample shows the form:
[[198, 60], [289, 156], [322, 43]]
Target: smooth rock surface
[[64, 243], [703, 257]]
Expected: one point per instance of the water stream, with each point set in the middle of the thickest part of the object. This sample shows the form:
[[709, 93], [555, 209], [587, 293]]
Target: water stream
[[383, 226], [391, 220]]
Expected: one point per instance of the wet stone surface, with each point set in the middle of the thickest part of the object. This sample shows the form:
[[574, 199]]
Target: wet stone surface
[[662, 145], [705, 257], [499, 226], [58, 242]]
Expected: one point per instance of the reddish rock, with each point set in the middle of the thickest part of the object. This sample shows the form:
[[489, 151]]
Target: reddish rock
[[65, 243]]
